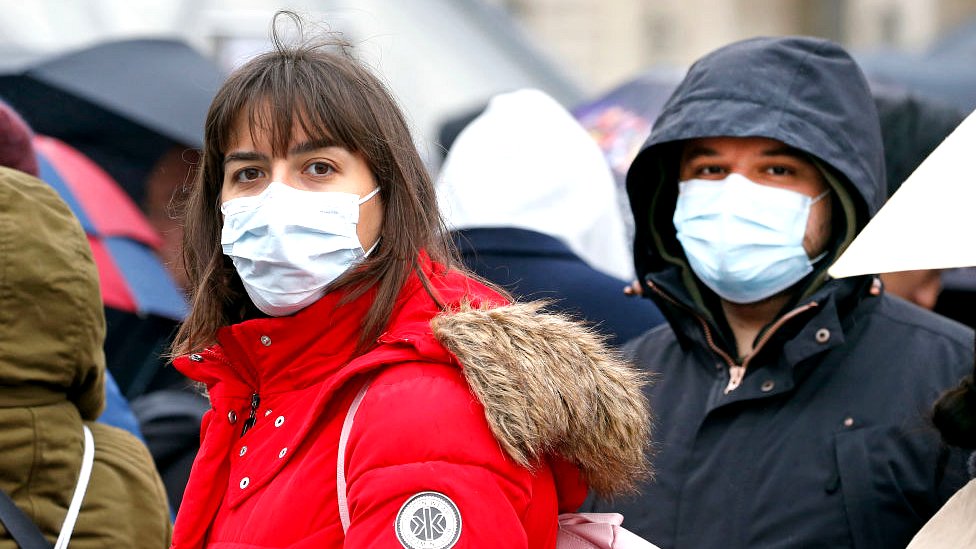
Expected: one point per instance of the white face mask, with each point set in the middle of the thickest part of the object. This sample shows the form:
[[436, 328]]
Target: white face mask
[[288, 245], [743, 240]]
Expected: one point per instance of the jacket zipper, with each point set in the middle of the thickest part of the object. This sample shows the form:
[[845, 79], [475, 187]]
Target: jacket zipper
[[737, 372], [255, 397], [249, 422], [708, 331]]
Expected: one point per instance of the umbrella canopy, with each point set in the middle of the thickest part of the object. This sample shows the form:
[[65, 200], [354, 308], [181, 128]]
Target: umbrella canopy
[[122, 241], [950, 79], [945, 71], [621, 119], [929, 222], [122, 103]]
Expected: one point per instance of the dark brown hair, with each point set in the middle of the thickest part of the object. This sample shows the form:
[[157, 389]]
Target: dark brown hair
[[954, 415], [331, 95]]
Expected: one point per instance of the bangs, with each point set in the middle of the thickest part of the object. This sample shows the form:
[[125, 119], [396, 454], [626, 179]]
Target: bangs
[[278, 93]]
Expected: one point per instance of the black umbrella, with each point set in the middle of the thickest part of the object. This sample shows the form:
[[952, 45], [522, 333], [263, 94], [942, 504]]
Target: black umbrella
[[122, 103], [945, 72], [949, 79]]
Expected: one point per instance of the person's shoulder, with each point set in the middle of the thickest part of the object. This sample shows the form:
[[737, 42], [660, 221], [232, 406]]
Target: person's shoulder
[[653, 340], [418, 411], [417, 381], [120, 451], [125, 491], [925, 323]]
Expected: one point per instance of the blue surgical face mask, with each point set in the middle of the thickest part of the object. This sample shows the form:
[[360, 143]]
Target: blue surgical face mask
[[743, 240], [287, 244]]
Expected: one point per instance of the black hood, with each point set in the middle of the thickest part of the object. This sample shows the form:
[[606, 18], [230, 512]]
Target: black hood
[[807, 93]]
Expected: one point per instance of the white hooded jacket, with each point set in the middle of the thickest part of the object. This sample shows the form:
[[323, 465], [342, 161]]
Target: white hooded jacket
[[544, 174]]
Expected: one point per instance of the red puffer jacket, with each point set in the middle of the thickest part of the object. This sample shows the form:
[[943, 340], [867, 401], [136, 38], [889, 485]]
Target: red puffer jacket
[[440, 455]]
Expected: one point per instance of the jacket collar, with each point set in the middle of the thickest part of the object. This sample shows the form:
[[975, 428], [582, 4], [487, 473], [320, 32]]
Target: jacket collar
[[285, 353], [291, 352], [693, 325]]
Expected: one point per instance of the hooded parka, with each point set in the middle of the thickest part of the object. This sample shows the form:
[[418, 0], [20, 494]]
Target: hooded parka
[[826, 442], [548, 229], [482, 422], [52, 371]]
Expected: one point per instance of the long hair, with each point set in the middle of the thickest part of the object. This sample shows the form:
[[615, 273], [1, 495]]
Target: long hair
[[320, 86]]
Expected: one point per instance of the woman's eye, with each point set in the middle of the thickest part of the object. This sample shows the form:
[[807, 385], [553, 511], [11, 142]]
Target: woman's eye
[[248, 174], [319, 168], [778, 170]]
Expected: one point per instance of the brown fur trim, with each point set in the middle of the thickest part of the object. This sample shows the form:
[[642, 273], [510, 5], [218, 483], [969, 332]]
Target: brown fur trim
[[550, 385]]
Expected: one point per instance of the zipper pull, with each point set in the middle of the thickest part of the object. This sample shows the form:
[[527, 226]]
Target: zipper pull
[[736, 373], [255, 402]]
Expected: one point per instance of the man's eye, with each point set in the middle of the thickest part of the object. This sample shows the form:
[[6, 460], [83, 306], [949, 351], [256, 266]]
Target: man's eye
[[778, 170], [711, 170], [319, 168], [248, 174]]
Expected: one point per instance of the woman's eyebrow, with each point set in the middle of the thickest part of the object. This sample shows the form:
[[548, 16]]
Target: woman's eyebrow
[[309, 146], [245, 156]]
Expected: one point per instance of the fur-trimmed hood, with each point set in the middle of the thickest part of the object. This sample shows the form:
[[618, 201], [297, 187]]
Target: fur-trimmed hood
[[550, 385]]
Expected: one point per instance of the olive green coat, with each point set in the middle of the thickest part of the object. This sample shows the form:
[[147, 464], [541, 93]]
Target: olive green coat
[[52, 372]]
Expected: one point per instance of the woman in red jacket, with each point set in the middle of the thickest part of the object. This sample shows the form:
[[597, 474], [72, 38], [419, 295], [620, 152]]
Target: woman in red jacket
[[318, 263]]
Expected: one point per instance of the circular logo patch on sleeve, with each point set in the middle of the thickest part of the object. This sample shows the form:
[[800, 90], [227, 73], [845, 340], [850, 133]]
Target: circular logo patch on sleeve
[[428, 520]]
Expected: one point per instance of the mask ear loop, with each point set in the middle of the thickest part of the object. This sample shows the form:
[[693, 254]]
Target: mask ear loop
[[366, 198], [373, 247], [362, 201], [819, 196], [814, 260]]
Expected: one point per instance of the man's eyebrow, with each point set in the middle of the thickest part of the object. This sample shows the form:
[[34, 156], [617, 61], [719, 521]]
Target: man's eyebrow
[[245, 156], [785, 151], [697, 151], [309, 146]]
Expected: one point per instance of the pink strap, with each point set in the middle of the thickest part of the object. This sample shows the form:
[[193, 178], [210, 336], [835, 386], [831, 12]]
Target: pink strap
[[341, 460]]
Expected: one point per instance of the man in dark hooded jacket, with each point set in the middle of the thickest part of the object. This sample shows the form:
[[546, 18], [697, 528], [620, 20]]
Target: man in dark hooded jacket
[[791, 408]]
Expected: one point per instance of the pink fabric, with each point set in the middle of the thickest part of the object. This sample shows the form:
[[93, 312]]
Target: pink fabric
[[597, 531]]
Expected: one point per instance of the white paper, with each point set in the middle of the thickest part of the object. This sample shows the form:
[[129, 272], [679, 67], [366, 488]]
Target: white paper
[[930, 222]]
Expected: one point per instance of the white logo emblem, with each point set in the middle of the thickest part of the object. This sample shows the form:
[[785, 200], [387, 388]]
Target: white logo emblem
[[428, 520]]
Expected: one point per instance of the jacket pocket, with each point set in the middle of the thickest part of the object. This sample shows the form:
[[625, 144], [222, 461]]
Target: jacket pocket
[[854, 470], [876, 470]]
